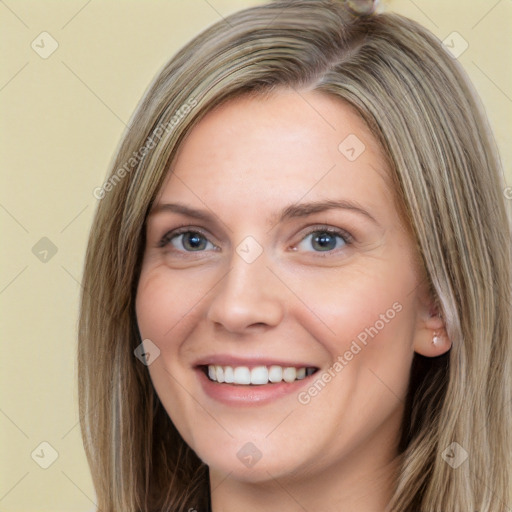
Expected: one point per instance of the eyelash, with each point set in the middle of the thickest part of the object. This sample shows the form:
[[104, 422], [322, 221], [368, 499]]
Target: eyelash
[[166, 239], [347, 238]]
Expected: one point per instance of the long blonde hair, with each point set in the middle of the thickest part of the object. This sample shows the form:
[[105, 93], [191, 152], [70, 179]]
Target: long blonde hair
[[449, 187]]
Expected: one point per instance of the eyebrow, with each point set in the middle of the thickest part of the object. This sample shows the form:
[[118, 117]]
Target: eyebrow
[[305, 209], [291, 211]]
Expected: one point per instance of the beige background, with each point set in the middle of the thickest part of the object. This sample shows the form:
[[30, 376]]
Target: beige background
[[61, 121]]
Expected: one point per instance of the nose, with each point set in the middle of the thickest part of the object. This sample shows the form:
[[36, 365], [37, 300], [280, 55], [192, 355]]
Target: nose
[[248, 296]]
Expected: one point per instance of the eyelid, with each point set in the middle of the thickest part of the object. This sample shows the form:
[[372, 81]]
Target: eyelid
[[346, 237], [172, 233], [343, 233]]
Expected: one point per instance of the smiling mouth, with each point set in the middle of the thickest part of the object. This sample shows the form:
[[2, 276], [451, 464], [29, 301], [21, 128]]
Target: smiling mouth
[[256, 376]]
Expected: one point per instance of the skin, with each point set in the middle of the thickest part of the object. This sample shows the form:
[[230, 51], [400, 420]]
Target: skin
[[243, 164]]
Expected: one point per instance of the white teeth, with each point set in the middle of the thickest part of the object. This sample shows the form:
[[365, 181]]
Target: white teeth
[[242, 375], [258, 375], [289, 374], [275, 374], [229, 375]]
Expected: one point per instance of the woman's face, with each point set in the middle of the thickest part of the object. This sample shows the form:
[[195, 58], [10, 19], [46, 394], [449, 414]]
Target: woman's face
[[274, 250]]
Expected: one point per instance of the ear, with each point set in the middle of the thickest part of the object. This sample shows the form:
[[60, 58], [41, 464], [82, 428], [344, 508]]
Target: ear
[[431, 338]]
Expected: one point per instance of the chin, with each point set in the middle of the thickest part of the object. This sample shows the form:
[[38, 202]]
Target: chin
[[255, 461]]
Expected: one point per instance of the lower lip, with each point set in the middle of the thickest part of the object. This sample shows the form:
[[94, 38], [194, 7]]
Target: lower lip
[[240, 395]]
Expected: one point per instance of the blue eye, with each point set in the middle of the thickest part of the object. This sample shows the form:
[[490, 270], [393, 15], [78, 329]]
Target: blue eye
[[189, 241], [319, 240], [323, 241]]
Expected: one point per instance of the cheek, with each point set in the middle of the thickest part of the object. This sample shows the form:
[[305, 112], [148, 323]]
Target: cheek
[[359, 303], [367, 326], [166, 302], [365, 319], [166, 310]]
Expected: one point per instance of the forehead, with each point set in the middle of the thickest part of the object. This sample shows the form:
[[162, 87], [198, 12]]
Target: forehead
[[277, 148]]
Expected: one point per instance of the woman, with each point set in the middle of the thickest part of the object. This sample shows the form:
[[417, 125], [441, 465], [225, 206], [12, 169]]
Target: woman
[[297, 288]]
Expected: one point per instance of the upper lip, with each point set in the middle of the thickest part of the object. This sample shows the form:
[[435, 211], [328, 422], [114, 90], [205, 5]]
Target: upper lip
[[251, 362]]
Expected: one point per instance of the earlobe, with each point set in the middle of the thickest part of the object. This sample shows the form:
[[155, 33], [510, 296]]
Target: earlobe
[[431, 338], [440, 342]]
